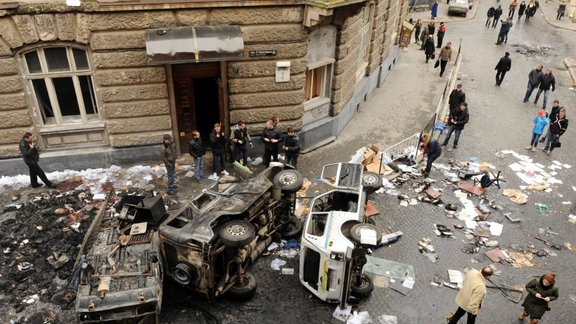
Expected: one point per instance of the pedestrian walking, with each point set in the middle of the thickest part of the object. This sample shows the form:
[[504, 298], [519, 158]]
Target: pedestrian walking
[[241, 139], [196, 150], [512, 8], [502, 67], [31, 155], [417, 28], [218, 142], [470, 297], [445, 56], [292, 147], [497, 14], [534, 78], [521, 9], [560, 12], [557, 129], [271, 138], [432, 149], [547, 82], [490, 15], [441, 32], [457, 96], [457, 119], [540, 121], [530, 10], [429, 48], [168, 154], [423, 38], [504, 29], [434, 10], [541, 291], [551, 117]]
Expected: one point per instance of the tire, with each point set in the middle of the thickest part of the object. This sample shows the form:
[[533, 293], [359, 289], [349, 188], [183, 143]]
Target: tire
[[243, 291], [237, 233], [364, 289], [356, 230], [371, 181], [292, 229], [185, 273], [289, 181]]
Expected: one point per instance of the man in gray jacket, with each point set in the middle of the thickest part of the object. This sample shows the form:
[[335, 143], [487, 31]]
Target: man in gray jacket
[[534, 78]]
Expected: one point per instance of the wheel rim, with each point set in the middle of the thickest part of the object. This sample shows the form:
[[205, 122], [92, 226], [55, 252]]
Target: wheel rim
[[288, 179], [236, 230], [369, 179]]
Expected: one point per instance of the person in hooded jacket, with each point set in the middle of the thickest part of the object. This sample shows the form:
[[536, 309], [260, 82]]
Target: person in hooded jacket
[[541, 291], [457, 119], [547, 81], [292, 147], [502, 67]]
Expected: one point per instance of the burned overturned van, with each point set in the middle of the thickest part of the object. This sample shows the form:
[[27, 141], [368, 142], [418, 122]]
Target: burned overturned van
[[209, 245]]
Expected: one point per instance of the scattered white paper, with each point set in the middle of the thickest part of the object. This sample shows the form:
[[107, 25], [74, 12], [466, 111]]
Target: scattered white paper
[[408, 283], [359, 318], [368, 236], [342, 314], [99, 196], [272, 246], [557, 162], [456, 276], [496, 228], [567, 166], [387, 319], [277, 263], [566, 203]]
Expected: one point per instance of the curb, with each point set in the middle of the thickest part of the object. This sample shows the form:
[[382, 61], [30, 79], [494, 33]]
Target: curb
[[554, 24], [571, 70], [468, 17]]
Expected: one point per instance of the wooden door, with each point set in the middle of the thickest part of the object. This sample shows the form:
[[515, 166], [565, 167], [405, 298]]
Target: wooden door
[[185, 110]]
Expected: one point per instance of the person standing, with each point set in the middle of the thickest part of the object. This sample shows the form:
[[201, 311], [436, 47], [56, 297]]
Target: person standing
[[423, 37], [490, 15], [504, 29], [521, 9], [218, 141], [432, 149], [417, 28], [434, 10], [551, 117], [271, 138], [512, 8], [530, 10], [240, 138], [445, 56], [541, 291], [534, 78], [196, 150], [31, 156], [497, 14], [457, 96], [557, 129], [429, 48], [441, 32], [292, 148], [547, 81], [540, 121], [168, 153], [470, 297], [431, 27], [560, 12], [457, 119], [502, 67]]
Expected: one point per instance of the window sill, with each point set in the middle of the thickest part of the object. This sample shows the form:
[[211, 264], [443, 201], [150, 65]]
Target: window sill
[[71, 128], [315, 102]]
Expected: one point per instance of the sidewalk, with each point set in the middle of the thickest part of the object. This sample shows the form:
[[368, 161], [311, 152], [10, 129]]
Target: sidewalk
[[549, 10]]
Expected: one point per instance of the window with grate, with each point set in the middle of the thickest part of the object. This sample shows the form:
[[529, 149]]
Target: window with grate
[[61, 80]]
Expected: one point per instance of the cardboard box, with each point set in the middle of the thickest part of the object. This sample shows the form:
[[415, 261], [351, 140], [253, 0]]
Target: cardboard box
[[368, 156]]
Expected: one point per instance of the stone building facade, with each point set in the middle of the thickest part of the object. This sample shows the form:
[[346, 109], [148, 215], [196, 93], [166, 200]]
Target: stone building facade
[[103, 81]]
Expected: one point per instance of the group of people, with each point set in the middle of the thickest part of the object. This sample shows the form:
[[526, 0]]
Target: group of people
[[557, 125], [425, 37], [272, 138]]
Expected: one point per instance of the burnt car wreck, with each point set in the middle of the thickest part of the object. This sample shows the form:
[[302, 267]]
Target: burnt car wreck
[[206, 246]]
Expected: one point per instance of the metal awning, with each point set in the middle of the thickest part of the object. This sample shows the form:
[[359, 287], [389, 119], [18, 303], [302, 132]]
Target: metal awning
[[194, 44]]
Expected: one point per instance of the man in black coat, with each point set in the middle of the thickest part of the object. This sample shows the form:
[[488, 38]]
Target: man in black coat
[[218, 140], [497, 14], [502, 67], [196, 150], [504, 30], [271, 138], [433, 151], [292, 147], [547, 81], [457, 119], [457, 96], [241, 139], [31, 157]]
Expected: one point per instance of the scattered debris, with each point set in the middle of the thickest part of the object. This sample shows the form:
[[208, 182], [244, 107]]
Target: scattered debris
[[516, 196], [427, 249]]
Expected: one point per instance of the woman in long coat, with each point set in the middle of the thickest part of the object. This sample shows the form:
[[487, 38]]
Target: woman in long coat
[[429, 48], [541, 291]]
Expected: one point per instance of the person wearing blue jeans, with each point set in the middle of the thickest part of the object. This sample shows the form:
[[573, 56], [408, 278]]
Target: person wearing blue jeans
[[196, 150], [547, 81], [168, 153], [456, 120], [540, 121], [533, 81]]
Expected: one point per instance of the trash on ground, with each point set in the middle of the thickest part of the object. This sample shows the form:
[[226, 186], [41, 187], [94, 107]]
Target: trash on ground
[[427, 249], [387, 319], [542, 208], [277, 263], [389, 268], [359, 318], [287, 271], [342, 314], [456, 277], [371, 210], [572, 219], [516, 196]]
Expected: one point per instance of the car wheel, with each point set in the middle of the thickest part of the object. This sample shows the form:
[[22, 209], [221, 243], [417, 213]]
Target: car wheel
[[237, 233], [357, 229], [244, 290], [292, 229], [371, 181], [289, 181], [363, 287], [184, 273]]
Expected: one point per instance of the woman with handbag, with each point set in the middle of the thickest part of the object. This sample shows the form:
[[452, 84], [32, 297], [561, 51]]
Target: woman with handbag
[[429, 48], [541, 291], [556, 129]]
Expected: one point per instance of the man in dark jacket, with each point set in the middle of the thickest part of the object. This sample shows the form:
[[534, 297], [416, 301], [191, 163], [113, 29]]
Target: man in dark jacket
[[497, 14], [168, 153], [240, 138], [429, 48], [457, 96], [502, 67], [432, 149], [547, 80], [490, 15], [457, 119], [521, 9], [292, 147], [271, 138], [551, 118], [557, 129], [504, 30], [31, 157], [533, 81], [218, 141], [196, 150]]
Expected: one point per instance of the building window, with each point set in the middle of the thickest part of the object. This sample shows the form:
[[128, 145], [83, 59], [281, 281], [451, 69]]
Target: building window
[[61, 80], [318, 82]]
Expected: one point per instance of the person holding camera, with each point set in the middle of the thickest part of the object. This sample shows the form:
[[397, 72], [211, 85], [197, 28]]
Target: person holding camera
[[31, 156]]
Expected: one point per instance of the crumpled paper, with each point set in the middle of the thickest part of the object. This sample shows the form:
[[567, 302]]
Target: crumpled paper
[[516, 196]]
